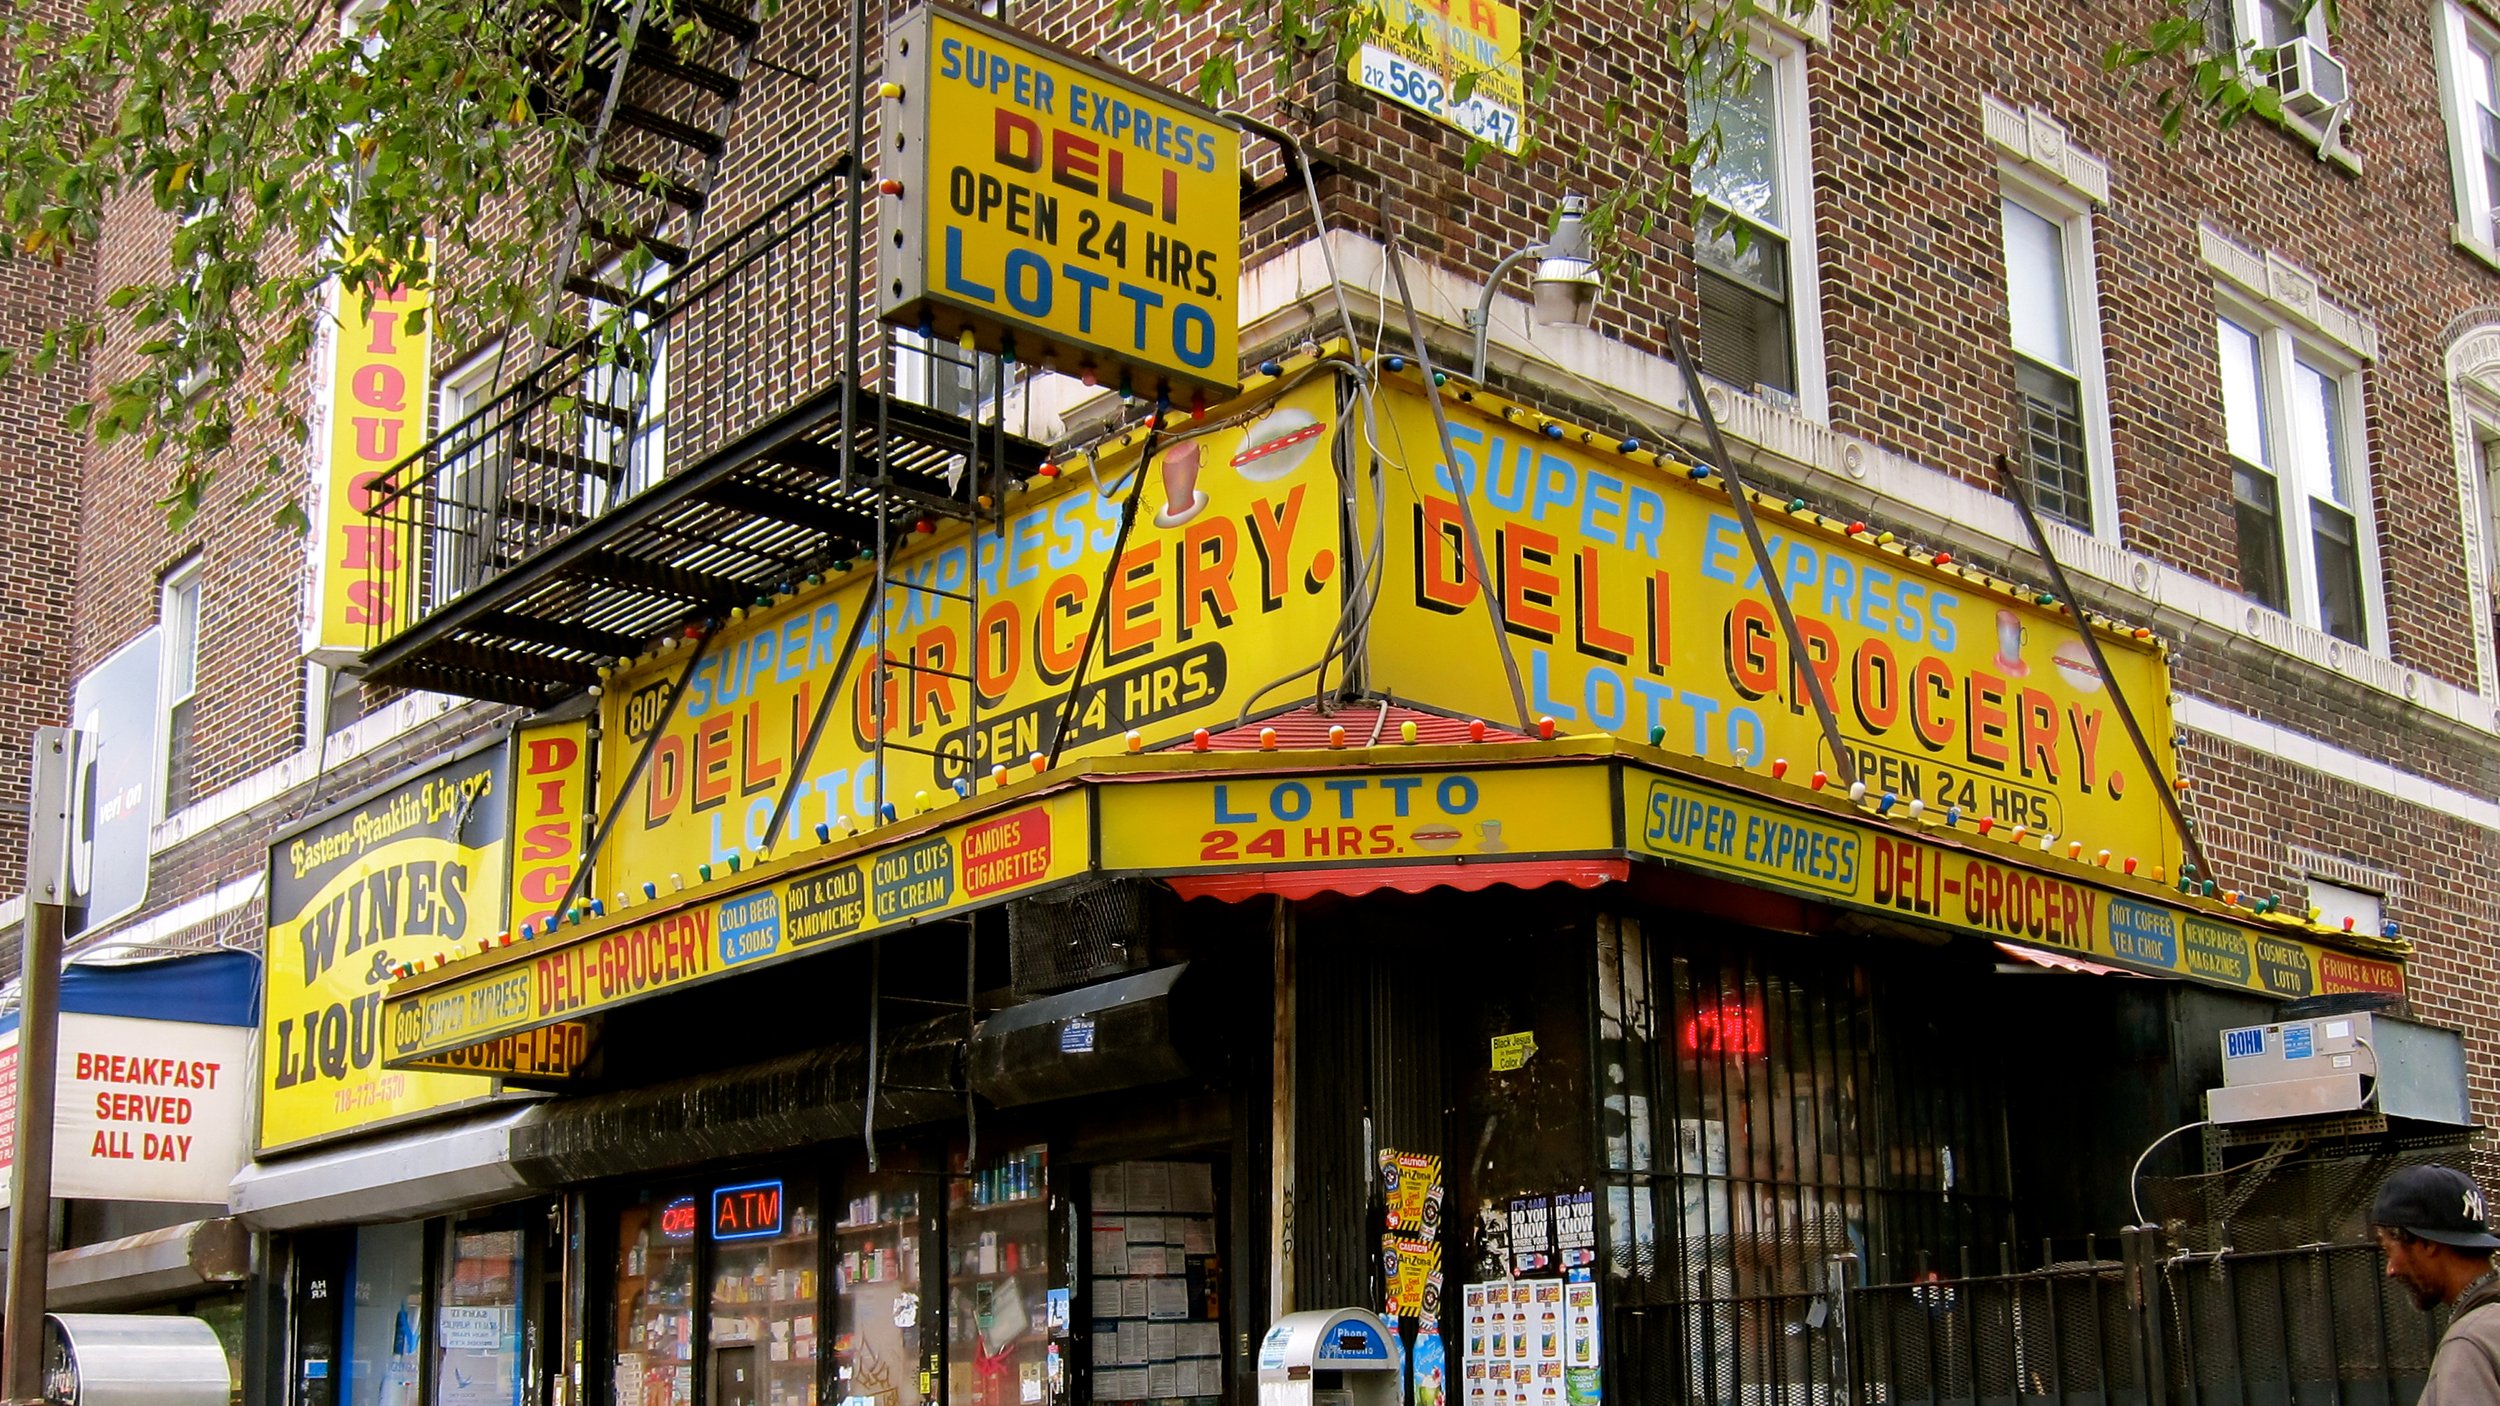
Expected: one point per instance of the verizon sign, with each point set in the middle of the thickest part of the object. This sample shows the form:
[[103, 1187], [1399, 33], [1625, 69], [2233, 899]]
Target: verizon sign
[[147, 1110]]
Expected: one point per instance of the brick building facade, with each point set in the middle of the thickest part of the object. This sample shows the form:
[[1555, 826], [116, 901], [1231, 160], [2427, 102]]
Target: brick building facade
[[2280, 342]]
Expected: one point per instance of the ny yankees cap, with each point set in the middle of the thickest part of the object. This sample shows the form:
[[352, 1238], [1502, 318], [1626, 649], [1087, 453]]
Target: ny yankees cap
[[2439, 1204]]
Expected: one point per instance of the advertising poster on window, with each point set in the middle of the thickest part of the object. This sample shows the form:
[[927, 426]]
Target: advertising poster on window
[[406, 872]]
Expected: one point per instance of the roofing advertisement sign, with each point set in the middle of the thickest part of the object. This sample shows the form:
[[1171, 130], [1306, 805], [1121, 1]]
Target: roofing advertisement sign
[[1633, 607], [407, 872], [1228, 581], [153, 1095], [1060, 210]]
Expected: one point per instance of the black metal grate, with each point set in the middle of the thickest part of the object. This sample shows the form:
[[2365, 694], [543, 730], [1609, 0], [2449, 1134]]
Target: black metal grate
[[1078, 934]]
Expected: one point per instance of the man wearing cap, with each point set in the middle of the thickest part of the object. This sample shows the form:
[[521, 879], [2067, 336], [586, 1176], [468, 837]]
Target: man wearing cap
[[2431, 1222]]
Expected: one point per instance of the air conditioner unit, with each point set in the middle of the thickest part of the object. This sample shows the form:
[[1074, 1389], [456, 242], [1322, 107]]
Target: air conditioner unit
[[2335, 1064], [2313, 82]]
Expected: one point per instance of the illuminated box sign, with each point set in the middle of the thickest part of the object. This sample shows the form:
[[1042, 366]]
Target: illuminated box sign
[[751, 1211], [1332, 818], [555, 982], [1825, 857], [1428, 51], [1633, 604], [1229, 579], [1059, 209]]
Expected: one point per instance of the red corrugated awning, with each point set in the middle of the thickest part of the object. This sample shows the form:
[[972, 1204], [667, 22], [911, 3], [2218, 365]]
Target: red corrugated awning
[[2059, 961], [1403, 878]]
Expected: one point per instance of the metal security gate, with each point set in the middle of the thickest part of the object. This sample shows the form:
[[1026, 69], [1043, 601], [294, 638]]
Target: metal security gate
[[2318, 1325]]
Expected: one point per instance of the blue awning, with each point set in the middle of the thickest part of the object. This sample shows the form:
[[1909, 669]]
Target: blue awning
[[207, 988]]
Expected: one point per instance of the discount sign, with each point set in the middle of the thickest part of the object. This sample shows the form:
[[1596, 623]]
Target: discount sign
[[1060, 211]]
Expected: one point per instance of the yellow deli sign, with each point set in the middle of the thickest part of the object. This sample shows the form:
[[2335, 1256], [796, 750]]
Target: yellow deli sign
[[1228, 580], [1332, 818], [967, 865], [1634, 607], [413, 871], [379, 390], [1060, 210], [1875, 868]]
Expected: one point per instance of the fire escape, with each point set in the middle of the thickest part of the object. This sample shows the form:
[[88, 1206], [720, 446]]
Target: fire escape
[[725, 431]]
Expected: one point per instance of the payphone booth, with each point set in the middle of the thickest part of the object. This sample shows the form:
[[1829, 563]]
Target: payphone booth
[[1329, 1357], [133, 1359]]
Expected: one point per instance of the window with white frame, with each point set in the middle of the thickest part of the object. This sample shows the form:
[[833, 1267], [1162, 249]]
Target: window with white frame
[[2351, 909], [2483, 427], [473, 473], [2292, 421], [625, 398], [2052, 309], [941, 375], [2470, 77], [178, 615], [2271, 24], [1756, 268]]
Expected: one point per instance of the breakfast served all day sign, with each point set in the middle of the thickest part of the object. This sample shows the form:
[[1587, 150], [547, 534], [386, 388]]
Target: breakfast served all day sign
[[1058, 211]]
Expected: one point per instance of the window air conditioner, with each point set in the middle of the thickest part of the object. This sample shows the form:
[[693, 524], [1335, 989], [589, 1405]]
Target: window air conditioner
[[2313, 82]]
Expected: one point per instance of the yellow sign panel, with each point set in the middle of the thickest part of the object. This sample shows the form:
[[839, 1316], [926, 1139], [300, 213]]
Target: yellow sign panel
[[1227, 582], [1873, 867], [379, 389], [1246, 822], [1455, 60], [415, 870], [550, 765], [1634, 607], [561, 1051], [1058, 210], [967, 865]]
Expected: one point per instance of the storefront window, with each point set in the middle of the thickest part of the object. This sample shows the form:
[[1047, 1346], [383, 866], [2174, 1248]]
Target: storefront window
[[1155, 1290], [998, 1287], [877, 1315], [716, 1294], [1769, 1106], [477, 1324], [384, 1317]]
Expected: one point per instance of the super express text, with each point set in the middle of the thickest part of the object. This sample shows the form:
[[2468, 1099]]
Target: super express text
[[1052, 138]]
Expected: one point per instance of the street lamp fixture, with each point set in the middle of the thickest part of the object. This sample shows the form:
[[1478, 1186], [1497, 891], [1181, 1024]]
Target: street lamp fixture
[[1562, 291]]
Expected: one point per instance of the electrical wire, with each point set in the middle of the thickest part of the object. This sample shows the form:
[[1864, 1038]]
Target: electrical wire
[[2135, 1176]]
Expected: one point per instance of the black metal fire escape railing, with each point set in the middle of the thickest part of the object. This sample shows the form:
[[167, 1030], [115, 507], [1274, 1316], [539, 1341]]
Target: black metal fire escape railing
[[685, 457]]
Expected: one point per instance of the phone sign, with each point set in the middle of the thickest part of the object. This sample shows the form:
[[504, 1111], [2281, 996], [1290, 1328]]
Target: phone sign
[[747, 1211]]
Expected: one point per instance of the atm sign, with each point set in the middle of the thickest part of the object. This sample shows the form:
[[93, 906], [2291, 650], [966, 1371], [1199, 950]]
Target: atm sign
[[749, 1211]]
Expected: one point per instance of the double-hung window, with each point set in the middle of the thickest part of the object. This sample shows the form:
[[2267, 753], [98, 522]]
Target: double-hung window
[[2299, 489], [1759, 317], [2060, 395], [178, 615], [474, 472], [2469, 52]]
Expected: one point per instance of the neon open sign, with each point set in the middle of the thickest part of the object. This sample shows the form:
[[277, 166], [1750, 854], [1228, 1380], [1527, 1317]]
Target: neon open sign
[[748, 1211], [677, 1219]]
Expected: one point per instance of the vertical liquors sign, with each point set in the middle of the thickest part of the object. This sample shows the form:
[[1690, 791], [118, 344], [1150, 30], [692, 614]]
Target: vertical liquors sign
[[379, 389], [410, 871]]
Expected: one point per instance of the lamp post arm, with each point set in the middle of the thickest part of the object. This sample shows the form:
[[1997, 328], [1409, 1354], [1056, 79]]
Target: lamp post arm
[[1482, 323]]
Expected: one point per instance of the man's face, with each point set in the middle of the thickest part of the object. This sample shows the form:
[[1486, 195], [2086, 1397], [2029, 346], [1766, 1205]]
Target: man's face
[[2413, 1263]]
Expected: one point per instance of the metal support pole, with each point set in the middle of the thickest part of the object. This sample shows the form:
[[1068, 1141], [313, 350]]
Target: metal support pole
[[1844, 762], [39, 1014]]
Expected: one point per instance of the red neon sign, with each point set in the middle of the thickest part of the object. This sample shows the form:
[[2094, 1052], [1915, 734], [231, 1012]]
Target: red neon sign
[[678, 1219], [1726, 1028]]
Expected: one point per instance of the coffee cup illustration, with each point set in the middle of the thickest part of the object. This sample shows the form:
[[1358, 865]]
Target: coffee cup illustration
[[1489, 837], [2010, 645], [1277, 445], [1183, 499]]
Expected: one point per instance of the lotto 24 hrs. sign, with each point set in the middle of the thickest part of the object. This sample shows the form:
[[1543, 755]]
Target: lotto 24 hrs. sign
[[1060, 210]]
